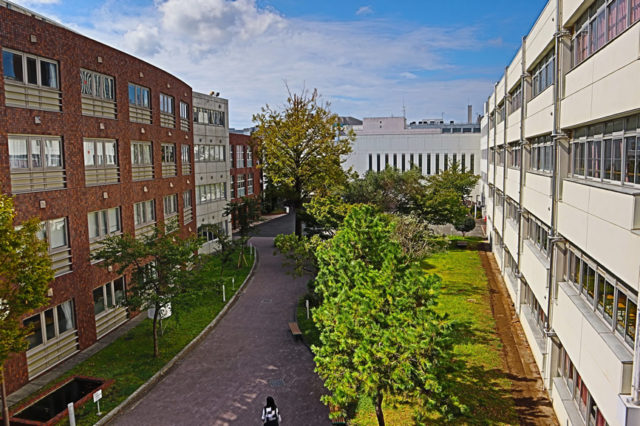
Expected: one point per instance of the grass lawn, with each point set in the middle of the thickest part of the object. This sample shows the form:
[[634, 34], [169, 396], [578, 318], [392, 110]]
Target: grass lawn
[[129, 360], [484, 389]]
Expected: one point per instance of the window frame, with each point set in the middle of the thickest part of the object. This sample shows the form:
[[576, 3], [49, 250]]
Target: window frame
[[25, 74], [103, 78], [107, 224], [139, 98], [167, 104], [149, 213], [43, 153]]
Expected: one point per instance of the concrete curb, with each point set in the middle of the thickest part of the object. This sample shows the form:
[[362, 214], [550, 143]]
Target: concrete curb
[[190, 346]]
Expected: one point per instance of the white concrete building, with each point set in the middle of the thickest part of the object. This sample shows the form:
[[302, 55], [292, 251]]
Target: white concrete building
[[431, 145], [211, 148], [561, 181]]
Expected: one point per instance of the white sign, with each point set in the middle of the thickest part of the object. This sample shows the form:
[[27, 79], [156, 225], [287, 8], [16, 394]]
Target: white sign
[[97, 396]]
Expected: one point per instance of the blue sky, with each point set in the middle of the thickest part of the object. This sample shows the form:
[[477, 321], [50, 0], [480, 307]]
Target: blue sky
[[368, 58]]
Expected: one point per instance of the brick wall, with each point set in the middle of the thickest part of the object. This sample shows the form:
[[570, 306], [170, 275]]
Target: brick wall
[[73, 52]]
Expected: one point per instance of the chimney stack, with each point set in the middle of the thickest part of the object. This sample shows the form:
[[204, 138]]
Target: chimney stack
[[469, 114]]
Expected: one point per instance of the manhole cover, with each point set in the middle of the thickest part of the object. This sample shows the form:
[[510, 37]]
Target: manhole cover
[[266, 301], [276, 383]]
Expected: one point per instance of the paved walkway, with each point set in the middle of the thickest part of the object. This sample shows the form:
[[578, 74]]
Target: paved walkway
[[247, 357]]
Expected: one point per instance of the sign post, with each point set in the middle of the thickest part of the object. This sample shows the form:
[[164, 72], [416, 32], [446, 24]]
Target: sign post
[[224, 294], [307, 303], [72, 414], [96, 398]]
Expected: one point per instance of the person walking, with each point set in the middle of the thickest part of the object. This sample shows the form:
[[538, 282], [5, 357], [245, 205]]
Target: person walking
[[270, 413]]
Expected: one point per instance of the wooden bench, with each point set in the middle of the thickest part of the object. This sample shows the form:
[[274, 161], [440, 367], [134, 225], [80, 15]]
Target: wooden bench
[[295, 330]]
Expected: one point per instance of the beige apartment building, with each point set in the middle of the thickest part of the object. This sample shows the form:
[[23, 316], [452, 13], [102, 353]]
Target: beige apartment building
[[210, 151], [561, 183]]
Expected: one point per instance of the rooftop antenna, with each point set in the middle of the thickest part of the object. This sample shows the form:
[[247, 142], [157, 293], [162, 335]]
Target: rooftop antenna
[[404, 110]]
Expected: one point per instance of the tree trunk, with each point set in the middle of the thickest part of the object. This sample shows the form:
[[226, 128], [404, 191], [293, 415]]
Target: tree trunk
[[5, 406], [379, 413], [156, 352]]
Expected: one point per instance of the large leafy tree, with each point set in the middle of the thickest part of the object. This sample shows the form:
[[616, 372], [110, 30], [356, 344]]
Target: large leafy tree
[[445, 195], [302, 147], [389, 190], [246, 211], [160, 265], [381, 337], [25, 274]]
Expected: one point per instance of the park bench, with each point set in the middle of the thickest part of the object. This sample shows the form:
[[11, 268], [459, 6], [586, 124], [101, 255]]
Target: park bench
[[295, 330]]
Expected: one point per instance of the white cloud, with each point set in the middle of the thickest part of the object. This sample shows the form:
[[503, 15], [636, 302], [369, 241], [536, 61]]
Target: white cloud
[[364, 10], [247, 53]]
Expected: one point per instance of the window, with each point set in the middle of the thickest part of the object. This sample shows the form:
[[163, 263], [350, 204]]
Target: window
[[420, 162], [35, 152], [54, 231], [168, 153], [208, 235], [233, 157], [446, 162], [249, 157], [144, 213], [208, 116], [515, 156], [512, 211], [607, 151], [541, 159], [612, 299], [108, 296], [635, 10], [386, 161], [543, 73], [141, 153], [50, 324], [239, 156], [167, 104], [29, 69], [185, 159], [214, 192], [184, 110], [170, 203], [411, 162], [472, 163], [428, 164], [378, 162], [187, 207], [370, 162], [240, 186], [104, 223], [537, 233], [516, 99], [97, 85], [437, 164], [249, 184], [232, 185], [100, 154], [463, 166], [500, 114], [209, 153], [139, 96], [395, 161], [402, 163]]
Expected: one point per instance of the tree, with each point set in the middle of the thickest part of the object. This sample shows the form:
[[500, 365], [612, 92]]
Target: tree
[[390, 190], [415, 236], [380, 334], [160, 266], [466, 225], [25, 274], [302, 148], [445, 196], [227, 246], [327, 213], [246, 211]]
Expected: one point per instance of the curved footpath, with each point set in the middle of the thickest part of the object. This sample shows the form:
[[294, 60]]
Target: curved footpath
[[247, 357]]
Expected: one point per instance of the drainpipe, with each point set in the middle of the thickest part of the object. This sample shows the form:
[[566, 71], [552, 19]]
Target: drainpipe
[[555, 178], [495, 106], [523, 114], [504, 160]]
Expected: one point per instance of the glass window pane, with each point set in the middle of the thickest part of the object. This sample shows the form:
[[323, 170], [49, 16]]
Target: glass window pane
[[18, 158], [58, 231], [12, 66], [109, 291], [98, 300], [99, 153], [110, 153], [36, 153], [118, 288], [49, 324], [53, 153], [114, 220], [49, 74], [601, 294], [89, 153], [132, 94], [632, 310], [102, 215], [590, 283], [32, 71], [35, 338], [608, 299], [65, 317], [621, 312], [94, 226]]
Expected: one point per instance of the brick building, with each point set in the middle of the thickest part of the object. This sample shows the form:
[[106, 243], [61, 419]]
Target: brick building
[[245, 177], [94, 142]]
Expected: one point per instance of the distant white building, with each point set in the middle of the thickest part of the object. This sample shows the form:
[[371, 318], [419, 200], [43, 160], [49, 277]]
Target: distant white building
[[431, 145]]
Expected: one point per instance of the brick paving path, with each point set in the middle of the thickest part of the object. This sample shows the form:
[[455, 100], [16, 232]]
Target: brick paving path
[[247, 357]]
